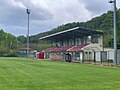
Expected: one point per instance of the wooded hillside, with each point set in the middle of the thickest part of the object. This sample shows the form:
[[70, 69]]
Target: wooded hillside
[[103, 23]]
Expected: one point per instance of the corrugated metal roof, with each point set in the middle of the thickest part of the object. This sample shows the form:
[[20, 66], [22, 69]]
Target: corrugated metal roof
[[71, 33], [58, 33]]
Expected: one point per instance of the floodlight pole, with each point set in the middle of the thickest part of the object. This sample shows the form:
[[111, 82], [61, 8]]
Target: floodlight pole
[[115, 36], [28, 12]]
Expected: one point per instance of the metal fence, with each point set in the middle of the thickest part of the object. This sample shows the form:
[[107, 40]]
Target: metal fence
[[101, 57]]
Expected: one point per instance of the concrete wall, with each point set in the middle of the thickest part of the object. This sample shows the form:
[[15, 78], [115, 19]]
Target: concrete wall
[[93, 47]]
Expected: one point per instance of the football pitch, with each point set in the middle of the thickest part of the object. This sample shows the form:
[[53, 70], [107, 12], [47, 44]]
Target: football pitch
[[28, 74]]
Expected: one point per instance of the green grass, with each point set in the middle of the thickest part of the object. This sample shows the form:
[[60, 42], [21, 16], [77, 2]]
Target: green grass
[[25, 74]]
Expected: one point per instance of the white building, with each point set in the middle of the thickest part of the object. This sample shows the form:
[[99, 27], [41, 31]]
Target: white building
[[77, 44]]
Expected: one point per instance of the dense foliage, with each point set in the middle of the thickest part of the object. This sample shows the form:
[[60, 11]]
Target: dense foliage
[[102, 23], [8, 43]]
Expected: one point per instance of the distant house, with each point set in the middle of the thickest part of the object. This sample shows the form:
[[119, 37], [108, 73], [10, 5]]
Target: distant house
[[23, 52]]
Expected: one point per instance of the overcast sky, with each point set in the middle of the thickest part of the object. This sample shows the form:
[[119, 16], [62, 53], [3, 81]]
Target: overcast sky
[[47, 14]]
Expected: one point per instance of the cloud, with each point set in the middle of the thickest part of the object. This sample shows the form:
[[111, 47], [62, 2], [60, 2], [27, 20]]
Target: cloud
[[47, 14], [14, 18], [15, 13], [96, 6], [44, 16], [64, 11]]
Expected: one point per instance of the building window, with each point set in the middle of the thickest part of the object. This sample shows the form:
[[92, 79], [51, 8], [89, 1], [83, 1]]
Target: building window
[[94, 39], [67, 42], [85, 40], [70, 42], [79, 41]]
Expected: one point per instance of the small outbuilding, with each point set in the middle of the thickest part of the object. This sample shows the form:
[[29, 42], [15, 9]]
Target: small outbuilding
[[23, 52]]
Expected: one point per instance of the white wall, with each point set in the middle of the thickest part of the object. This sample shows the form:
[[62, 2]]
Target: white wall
[[93, 47], [98, 56]]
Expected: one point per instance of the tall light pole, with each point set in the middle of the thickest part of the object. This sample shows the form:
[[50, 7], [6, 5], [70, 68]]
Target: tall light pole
[[115, 36], [28, 12]]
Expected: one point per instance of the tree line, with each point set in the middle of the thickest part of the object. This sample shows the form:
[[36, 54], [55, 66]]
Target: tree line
[[102, 23], [9, 43]]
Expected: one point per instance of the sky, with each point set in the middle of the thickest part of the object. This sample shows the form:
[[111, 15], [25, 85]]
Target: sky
[[48, 14]]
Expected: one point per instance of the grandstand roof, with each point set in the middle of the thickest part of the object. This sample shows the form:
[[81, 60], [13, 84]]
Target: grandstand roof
[[77, 48], [66, 48], [71, 33], [58, 49]]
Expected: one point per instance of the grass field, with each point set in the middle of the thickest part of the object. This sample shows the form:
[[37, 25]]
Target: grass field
[[24, 74]]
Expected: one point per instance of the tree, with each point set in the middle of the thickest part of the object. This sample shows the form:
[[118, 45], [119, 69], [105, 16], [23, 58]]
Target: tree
[[8, 42], [102, 23]]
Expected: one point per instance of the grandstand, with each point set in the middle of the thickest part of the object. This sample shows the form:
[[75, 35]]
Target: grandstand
[[76, 44]]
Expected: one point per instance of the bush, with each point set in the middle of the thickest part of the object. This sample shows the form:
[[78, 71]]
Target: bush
[[11, 54]]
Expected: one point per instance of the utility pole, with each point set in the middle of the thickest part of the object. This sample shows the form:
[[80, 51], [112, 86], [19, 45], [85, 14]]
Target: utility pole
[[28, 12], [115, 36]]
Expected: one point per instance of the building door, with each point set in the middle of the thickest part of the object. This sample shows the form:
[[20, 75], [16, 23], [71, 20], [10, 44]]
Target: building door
[[68, 57]]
